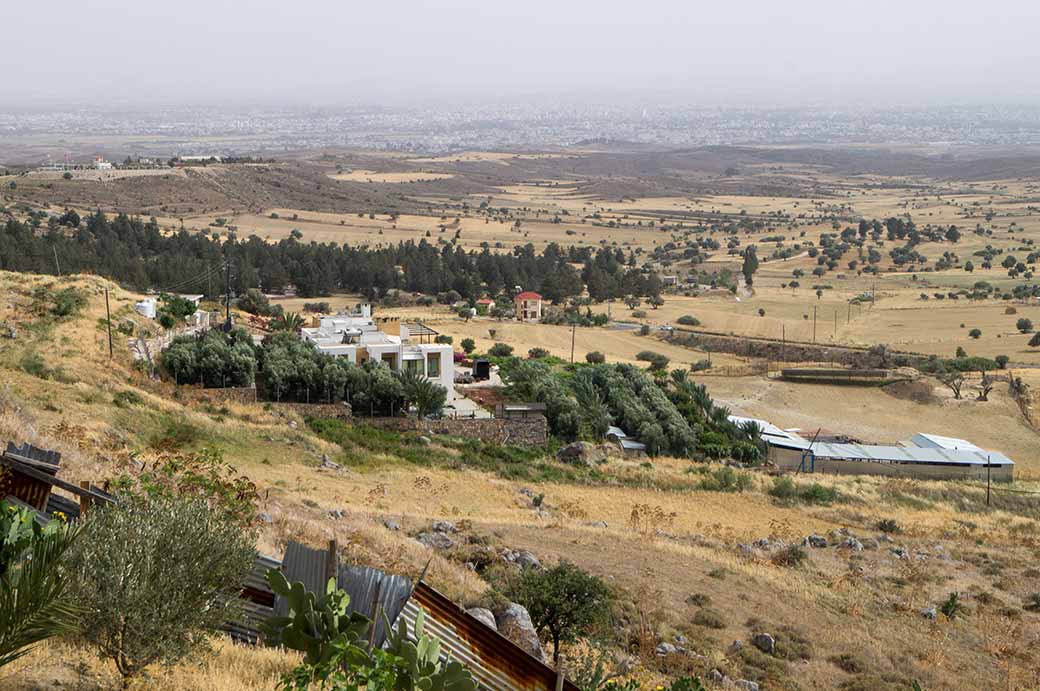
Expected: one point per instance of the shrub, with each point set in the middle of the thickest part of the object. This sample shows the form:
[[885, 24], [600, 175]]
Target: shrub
[[952, 607], [726, 479], [537, 353], [688, 320], [848, 662], [1002, 361], [656, 360], [564, 601], [701, 365], [68, 303], [639, 314], [889, 525], [1024, 325], [443, 338], [783, 488], [468, 346], [595, 357], [127, 399], [791, 556], [975, 333], [644, 330], [501, 350], [818, 494], [709, 618], [158, 576]]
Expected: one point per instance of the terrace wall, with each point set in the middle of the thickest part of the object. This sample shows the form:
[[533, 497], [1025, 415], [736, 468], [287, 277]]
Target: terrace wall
[[531, 431]]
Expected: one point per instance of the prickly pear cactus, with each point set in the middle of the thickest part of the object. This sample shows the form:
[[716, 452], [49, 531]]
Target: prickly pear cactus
[[422, 668]]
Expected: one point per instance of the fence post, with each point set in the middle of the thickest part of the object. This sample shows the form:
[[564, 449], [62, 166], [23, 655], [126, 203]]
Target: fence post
[[332, 560], [84, 499]]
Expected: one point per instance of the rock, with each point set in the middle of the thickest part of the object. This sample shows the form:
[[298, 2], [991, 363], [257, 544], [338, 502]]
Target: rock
[[900, 552], [716, 676], [745, 684], [598, 524], [764, 642], [514, 622], [664, 649], [336, 514], [484, 616], [425, 441], [735, 647], [746, 550], [817, 541], [391, 524], [838, 535], [293, 424], [265, 518], [885, 538], [852, 543], [526, 560], [930, 613], [869, 543], [435, 540], [444, 527], [527, 492], [581, 453], [326, 462]]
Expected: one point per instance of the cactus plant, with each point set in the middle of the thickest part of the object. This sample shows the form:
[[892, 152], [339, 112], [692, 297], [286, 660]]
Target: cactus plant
[[421, 668], [320, 629]]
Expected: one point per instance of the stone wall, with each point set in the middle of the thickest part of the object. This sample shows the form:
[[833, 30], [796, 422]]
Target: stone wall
[[323, 411], [530, 431]]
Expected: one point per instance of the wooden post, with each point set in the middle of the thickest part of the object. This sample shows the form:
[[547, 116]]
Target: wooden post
[[560, 675], [332, 560], [84, 500]]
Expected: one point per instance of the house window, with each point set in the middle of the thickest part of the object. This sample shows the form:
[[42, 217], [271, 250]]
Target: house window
[[433, 365], [413, 366]]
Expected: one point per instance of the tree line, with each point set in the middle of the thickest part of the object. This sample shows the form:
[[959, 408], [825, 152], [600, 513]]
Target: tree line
[[140, 255]]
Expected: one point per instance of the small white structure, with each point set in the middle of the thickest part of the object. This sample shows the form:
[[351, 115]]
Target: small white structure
[[147, 307], [358, 338], [101, 164], [934, 441]]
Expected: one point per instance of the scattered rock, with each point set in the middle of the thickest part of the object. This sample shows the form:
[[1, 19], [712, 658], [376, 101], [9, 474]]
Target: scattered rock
[[444, 527], [930, 613], [265, 518], [869, 543], [581, 453], [664, 649], [514, 622], [435, 540], [521, 558], [885, 538], [817, 541], [293, 424], [735, 647], [336, 514], [527, 492], [764, 642], [391, 524], [852, 543], [900, 552], [598, 524], [716, 676], [745, 684], [327, 462], [484, 616]]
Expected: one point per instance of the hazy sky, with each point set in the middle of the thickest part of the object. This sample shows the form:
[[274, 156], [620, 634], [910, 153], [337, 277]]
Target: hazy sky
[[324, 52]]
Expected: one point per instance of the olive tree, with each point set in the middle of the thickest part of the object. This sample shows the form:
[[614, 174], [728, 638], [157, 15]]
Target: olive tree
[[157, 576], [564, 602]]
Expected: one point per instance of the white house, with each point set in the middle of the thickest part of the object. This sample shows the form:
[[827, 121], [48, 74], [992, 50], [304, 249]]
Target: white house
[[358, 338]]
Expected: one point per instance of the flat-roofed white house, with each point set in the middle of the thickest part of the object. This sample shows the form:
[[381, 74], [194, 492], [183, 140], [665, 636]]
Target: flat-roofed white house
[[358, 338]]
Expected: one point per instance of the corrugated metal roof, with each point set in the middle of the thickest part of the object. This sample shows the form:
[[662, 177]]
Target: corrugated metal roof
[[363, 584], [934, 440], [632, 445], [909, 454], [495, 662]]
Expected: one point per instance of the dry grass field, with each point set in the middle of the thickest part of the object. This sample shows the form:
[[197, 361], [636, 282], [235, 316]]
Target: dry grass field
[[860, 604]]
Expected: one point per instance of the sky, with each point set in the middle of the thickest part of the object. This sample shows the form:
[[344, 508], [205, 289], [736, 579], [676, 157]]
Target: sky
[[333, 52]]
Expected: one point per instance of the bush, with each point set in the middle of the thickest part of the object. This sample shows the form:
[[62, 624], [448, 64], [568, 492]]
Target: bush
[[500, 350], [1024, 325], [68, 303], [595, 357], [975, 333], [639, 314], [785, 489], [656, 360], [701, 365], [688, 320], [709, 618], [468, 345], [564, 601], [889, 525], [644, 330], [791, 556], [158, 576], [442, 338], [537, 353], [726, 479], [127, 399], [1002, 361]]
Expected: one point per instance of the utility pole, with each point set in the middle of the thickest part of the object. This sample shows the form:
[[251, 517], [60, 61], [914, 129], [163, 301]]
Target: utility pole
[[57, 266], [227, 296], [108, 318], [574, 328], [987, 479]]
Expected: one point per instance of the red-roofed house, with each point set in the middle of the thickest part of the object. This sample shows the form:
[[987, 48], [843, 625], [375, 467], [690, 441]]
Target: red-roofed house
[[528, 306]]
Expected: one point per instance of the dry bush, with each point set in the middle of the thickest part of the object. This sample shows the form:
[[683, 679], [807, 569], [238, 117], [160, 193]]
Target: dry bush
[[647, 521]]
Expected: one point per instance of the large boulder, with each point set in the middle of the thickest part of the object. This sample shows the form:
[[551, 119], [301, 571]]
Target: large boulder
[[582, 453], [764, 642], [484, 616], [514, 622], [435, 540]]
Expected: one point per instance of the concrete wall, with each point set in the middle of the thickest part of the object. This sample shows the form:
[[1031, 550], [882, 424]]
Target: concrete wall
[[790, 459]]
